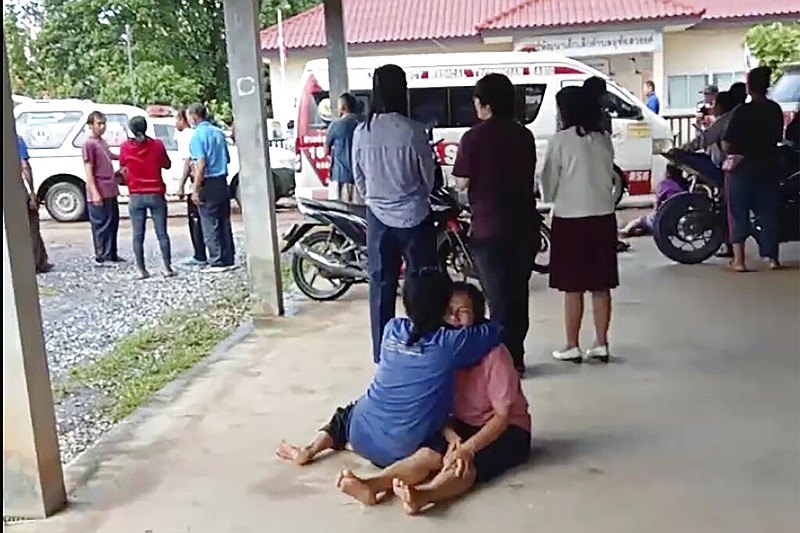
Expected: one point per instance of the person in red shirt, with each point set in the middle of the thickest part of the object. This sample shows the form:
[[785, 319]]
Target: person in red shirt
[[141, 160]]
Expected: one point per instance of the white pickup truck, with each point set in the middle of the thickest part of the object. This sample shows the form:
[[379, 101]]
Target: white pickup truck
[[54, 131]]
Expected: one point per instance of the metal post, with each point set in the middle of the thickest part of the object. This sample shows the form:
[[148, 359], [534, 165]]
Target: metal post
[[336, 47], [255, 175], [33, 482], [129, 49]]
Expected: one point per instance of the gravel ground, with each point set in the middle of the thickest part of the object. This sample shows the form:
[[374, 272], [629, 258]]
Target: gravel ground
[[86, 309]]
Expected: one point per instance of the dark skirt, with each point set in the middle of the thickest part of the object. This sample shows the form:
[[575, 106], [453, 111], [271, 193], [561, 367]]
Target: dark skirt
[[583, 255]]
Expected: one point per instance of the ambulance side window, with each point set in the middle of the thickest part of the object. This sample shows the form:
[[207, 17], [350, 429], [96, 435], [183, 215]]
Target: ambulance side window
[[618, 107]]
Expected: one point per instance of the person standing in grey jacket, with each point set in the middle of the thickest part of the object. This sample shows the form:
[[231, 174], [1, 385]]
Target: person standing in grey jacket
[[393, 169]]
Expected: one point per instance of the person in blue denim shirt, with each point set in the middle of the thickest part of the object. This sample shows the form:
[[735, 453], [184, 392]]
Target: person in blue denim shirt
[[653, 103], [393, 168], [398, 423], [339, 144], [209, 152]]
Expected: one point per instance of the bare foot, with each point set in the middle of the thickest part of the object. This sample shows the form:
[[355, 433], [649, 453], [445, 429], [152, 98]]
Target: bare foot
[[408, 495], [299, 456], [143, 274], [774, 264], [168, 273], [348, 483], [736, 267]]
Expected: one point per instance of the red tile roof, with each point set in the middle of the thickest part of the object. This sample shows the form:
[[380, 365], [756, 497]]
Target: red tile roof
[[735, 9], [554, 13], [384, 21], [387, 21]]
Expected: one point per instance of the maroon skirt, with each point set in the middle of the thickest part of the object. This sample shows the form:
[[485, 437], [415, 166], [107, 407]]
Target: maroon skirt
[[583, 254]]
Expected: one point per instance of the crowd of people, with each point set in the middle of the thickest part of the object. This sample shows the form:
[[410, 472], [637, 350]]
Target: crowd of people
[[445, 409], [203, 150]]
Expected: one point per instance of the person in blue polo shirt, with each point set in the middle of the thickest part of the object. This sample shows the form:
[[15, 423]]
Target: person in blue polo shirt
[[209, 152]]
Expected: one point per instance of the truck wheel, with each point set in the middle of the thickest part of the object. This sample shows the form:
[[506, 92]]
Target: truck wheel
[[66, 201]]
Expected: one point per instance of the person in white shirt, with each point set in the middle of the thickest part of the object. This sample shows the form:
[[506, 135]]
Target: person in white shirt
[[183, 136], [578, 179]]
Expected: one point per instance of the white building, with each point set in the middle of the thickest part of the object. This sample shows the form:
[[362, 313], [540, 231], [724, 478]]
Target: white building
[[680, 46]]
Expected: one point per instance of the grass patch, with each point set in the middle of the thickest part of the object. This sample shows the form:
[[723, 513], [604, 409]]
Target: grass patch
[[286, 273], [47, 291], [142, 363]]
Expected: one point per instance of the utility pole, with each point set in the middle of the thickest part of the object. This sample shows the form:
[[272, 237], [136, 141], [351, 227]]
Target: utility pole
[[246, 68], [128, 38], [336, 49]]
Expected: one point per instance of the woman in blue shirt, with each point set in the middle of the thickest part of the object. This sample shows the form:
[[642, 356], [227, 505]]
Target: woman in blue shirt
[[411, 395]]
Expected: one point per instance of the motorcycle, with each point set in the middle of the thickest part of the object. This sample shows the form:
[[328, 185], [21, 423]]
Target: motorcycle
[[331, 245], [691, 226]]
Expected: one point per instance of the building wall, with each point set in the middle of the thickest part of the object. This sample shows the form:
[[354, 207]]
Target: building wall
[[691, 59], [713, 55]]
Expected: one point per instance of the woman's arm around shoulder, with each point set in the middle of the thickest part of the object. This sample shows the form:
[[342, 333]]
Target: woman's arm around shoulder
[[470, 344]]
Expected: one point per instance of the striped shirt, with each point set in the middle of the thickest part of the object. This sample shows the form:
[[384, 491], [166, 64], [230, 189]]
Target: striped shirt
[[393, 169]]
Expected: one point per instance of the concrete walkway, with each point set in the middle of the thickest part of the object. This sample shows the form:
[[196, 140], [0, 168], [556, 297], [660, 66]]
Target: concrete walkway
[[695, 427]]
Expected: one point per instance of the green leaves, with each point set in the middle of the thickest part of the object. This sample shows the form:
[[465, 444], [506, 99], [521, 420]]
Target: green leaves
[[775, 45], [178, 49]]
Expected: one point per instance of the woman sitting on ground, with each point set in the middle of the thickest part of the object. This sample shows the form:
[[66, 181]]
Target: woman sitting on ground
[[672, 184], [411, 396], [490, 431]]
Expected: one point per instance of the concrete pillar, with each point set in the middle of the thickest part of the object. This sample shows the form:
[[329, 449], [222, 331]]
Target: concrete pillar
[[33, 482], [659, 78], [336, 49], [255, 176]]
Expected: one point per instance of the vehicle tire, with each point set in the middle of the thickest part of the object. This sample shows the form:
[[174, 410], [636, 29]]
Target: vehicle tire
[[541, 262], [619, 185], [688, 219], [235, 191], [315, 241], [66, 201]]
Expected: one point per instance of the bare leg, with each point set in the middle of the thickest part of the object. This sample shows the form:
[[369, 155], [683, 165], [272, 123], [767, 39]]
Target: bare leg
[[304, 455], [412, 470], [601, 310], [738, 264], [573, 313], [445, 486]]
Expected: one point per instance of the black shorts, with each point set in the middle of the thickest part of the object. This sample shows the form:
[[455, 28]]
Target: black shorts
[[512, 448], [337, 427]]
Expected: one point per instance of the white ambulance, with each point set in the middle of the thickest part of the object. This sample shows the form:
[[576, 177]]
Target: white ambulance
[[440, 96]]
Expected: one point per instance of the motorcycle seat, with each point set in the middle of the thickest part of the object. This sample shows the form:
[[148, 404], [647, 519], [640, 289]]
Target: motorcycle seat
[[339, 207]]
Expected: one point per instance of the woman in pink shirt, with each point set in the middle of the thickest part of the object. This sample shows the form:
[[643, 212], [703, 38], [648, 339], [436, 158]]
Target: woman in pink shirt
[[490, 431]]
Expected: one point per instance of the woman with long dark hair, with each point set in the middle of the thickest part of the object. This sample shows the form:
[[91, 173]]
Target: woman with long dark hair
[[143, 158], [578, 178], [398, 424], [496, 163], [393, 169]]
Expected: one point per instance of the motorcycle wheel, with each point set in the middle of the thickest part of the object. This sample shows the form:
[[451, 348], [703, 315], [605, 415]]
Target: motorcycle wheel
[[541, 263], [687, 228], [456, 261], [305, 274]]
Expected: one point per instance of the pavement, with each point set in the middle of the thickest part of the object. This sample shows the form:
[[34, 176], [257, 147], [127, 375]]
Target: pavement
[[693, 427]]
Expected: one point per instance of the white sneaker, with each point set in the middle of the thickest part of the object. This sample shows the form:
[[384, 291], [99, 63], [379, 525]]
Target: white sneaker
[[573, 355], [598, 352], [216, 269]]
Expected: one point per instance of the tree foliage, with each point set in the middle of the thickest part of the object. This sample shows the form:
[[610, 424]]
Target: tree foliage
[[775, 45], [178, 49]]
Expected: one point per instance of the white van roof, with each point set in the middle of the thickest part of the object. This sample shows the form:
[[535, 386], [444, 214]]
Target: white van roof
[[73, 104], [457, 60]]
